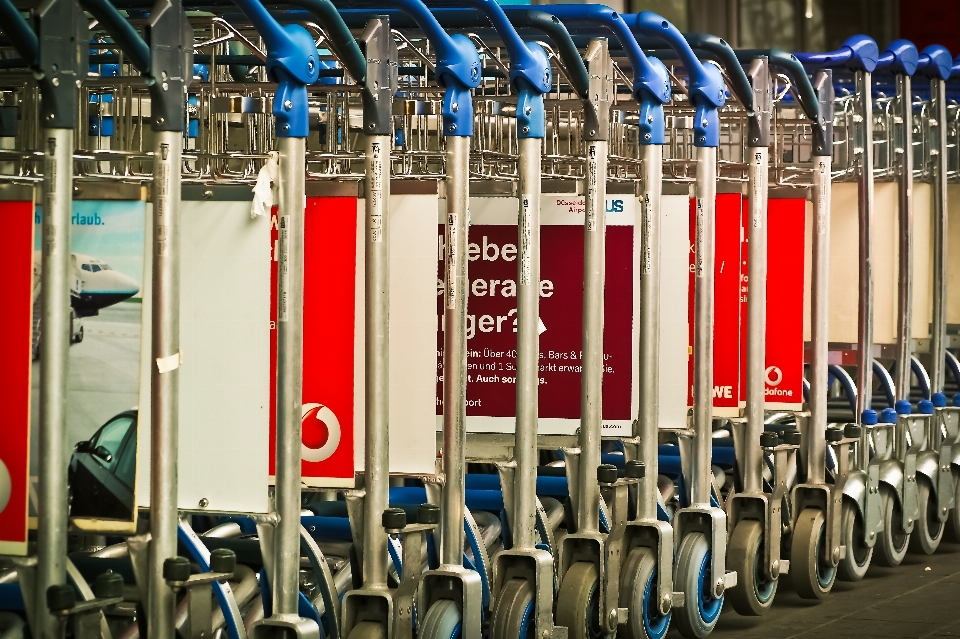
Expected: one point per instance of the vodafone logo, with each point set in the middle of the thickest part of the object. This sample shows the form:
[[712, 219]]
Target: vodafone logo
[[6, 486], [321, 433], [774, 376]]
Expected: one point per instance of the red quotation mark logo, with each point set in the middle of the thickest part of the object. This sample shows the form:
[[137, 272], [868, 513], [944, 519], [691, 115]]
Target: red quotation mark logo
[[321, 433]]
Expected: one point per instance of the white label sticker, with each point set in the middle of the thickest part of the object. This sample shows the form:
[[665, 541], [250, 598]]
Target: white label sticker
[[161, 201], [646, 265], [525, 231], [593, 180], [452, 257], [821, 211], [700, 249], [283, 269], [376, 194], [757, 196]]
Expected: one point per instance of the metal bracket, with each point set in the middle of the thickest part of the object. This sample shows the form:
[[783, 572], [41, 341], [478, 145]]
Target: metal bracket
[[712, 522], [462, 586], [536, 566], [285, 627], [758, 122], [367, 605], [829, 501], [380, 83], [413, 538], [62, 61], [596, 107], [592, 547]]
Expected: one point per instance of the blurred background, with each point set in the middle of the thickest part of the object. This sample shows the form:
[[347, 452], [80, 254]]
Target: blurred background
[[809, 25]]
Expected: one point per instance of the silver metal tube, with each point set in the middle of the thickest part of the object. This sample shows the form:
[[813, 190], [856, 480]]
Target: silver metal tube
[[455, 350], [528, 345], [756, 318], [938, 161], [286, 581], [591, 380], [165, 378], [54, 368], [864, 161], [706, 204], [819, 321], [648, 419], [377, 339], [904, 160]]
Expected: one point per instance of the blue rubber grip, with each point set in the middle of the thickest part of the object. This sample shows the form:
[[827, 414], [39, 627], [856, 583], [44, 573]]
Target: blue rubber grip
[[935, 62], [857, 53], [899, 58], [955, 69]]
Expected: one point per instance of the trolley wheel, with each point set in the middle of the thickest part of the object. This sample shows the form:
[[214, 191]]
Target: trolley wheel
[[513, 612], [638, 593], [953, 521], [928, 531], [855, 563], [578, 603], [79, 337], [368, 630], [702, 610], [893, 541], [812, 576], [753, 595], [442, 621]]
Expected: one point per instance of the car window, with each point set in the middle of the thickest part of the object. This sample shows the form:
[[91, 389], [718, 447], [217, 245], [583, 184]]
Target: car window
[[111, 436], [126, 465]]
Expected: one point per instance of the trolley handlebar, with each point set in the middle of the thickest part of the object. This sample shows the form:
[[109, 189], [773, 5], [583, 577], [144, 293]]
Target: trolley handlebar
[[717, 49], [900, 58], [935, 62], [790, 65], [23, 37], [858, 53], [341, 40], [549, 24], [122, 31]]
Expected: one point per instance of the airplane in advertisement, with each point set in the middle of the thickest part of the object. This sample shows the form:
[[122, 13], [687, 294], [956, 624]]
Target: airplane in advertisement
[[94, 285]]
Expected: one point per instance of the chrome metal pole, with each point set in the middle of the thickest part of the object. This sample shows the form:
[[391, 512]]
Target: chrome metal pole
[[649, 417], [455, 349], [938, 159], [904, 158], [54, 368], [819, 319], [756, 318], [591, 385], [864, 163], [165, 379], [377, 339], [286, 580], [528, 345], [706, 204]]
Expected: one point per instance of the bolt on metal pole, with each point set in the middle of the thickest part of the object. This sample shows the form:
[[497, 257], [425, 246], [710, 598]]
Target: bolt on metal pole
[[863, 117], [165, 377], [939, 166], [706, 204], [903, 156], [528, 345], [455, 349], [377, 340], [54, 367], [286, 581], [648, 418]]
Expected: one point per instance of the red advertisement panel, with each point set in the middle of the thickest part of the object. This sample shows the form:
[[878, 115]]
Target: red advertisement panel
[[726, 309], [16, 245], [784, 316], [491, 321], [329, 323]]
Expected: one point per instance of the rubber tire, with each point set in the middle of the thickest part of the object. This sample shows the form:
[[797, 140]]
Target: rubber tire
[[368, 630], [752, 596], [893, 541], [928, 530], [857, 560], [953, 521], [578, 603], [441, 622], [514, 611], [693, 568], [637, 584], [812, 577], [79, 337]]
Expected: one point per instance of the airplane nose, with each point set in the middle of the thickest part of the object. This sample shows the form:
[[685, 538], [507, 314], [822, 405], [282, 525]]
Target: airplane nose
[[121, 282]]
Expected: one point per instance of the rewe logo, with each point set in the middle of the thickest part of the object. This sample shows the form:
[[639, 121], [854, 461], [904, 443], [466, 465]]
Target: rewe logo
[[320, 435]]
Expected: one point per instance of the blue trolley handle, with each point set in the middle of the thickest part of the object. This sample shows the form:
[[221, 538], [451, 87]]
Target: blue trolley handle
[[651, 82], [899, 58], [706, 88], [341, 40], [934, 62], [24, 39], [550, 25], [955, 69], [530, 72], [857, 53], [292, 62], [457, 69]]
